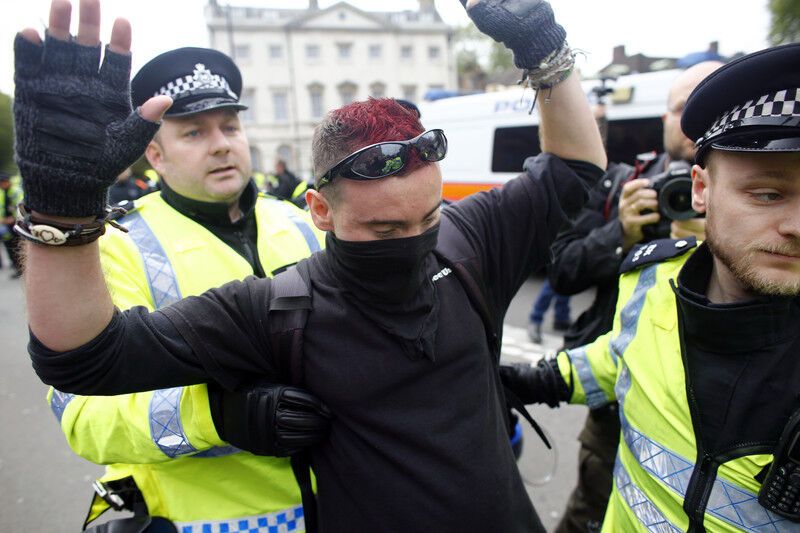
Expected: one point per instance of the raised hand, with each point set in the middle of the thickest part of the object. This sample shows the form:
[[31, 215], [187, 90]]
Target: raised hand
[[75, 129], [527, 27]]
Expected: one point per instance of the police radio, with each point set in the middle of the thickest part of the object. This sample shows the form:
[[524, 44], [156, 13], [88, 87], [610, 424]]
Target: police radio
[[780, 491]]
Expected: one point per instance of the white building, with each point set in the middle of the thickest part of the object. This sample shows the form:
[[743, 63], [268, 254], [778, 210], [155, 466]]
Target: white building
[[297, 64]]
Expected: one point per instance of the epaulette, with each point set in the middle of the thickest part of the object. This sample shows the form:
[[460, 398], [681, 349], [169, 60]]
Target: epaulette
[[655, 252]]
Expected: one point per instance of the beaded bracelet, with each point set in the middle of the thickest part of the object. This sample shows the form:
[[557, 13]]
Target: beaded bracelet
[[52, 233]]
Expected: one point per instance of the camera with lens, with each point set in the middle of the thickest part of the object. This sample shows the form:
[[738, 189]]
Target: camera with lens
[[674, 193]]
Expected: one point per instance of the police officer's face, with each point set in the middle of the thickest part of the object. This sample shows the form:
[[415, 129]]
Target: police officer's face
[[388, 208], [204, 156], [752, 205]]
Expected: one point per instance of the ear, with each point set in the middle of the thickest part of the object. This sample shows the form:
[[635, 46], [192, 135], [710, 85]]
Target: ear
[[155, 156], [700, 182], [320, 210]]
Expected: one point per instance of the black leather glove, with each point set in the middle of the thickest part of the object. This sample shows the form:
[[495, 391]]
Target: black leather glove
[[527, 28], [536, 384], [269, 419], [75, 132]]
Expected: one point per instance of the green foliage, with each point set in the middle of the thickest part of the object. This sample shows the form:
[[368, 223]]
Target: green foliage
[[6, 136], [785, 21]]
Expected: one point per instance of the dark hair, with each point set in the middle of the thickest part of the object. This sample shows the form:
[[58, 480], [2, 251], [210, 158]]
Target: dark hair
[[345, 130]]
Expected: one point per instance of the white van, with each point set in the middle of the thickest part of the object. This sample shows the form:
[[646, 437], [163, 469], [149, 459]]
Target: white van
[[491, 134]]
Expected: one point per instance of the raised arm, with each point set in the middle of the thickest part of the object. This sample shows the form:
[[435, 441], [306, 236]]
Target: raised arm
[[75, 131], [528, 28]]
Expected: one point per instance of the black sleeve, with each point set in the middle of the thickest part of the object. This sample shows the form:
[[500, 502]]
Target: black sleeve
[[512, 228], [589, 251], [219, 335]]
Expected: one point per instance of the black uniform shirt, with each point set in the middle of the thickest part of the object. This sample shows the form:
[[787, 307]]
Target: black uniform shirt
[[416, 444]]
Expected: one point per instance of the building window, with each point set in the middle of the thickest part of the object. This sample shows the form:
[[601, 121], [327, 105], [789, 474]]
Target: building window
[[315, 95], [409, 92], [406, 51], [345, 50], [375, 51], [312, 51], [241, 52], [284, 152], [249, 99], [347, 92], [377, 90], [275, 51], [434, 52], [255, 158], [436, 87], [279, 106]]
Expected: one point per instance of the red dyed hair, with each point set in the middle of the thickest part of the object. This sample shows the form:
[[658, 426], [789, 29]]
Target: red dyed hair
[[360, 124]]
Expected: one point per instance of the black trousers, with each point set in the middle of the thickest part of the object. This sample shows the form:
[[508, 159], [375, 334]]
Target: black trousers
[[587, 503], [14, 249]]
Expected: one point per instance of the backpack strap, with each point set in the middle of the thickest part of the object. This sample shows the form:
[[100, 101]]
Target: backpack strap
[[289, 305]]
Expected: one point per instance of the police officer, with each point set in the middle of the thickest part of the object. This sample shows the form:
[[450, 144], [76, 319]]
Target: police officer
[[10, 196], [622, 211], [702, 357], [393, 343], [207, 226]]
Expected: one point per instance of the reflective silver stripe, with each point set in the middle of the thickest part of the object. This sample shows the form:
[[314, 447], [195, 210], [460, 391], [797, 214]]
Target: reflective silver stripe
[[302, 225], [727, 502], [645, 511], [629, 317], [286, 521], [220, 451], [58, 402], [166, 428], [595, 396], [160, 275]]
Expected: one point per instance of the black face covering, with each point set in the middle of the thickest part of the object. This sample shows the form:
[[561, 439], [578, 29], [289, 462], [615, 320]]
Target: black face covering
[[389, 280], [382, 271]]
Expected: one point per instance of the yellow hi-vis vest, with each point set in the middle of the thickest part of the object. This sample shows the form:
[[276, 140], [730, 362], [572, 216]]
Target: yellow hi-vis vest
[[166, 439], [639, 364]]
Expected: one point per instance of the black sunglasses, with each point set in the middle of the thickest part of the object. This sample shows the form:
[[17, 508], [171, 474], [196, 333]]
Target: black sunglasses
[[387, 158]]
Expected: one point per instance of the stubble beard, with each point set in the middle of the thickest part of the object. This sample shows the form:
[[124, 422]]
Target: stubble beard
[[741, 263]]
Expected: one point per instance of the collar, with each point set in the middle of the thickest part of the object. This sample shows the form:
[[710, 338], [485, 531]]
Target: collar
[[731, 328], [214, 213]]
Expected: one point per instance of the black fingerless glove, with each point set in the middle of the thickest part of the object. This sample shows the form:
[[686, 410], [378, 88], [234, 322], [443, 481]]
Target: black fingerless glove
[[269, 419], [527, 28], [75, 131], [536, 384]]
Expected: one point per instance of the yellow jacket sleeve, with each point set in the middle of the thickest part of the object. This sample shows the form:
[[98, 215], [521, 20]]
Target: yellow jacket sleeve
[[147, 427], [591, 370]]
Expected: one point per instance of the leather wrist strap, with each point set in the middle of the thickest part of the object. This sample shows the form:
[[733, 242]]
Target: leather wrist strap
[[51, 233]]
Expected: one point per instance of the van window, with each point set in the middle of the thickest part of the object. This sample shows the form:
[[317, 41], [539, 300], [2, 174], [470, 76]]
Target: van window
[[628, 138], [512, 146]]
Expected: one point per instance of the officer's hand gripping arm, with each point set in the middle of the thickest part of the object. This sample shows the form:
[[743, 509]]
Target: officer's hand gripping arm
[[269, 419], [536, 384]]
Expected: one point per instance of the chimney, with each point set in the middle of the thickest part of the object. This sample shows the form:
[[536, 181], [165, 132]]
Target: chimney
[[713, 47], [426, 6], [313, 5], [619, 54]]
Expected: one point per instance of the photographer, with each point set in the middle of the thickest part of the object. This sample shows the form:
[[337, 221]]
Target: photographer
[[589, 254]]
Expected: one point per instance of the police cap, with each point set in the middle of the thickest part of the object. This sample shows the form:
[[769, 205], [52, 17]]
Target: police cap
[[197, 80], [752, 104]]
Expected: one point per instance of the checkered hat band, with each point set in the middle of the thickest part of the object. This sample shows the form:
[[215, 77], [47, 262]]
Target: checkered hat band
[[785, 103], [192, 84]]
